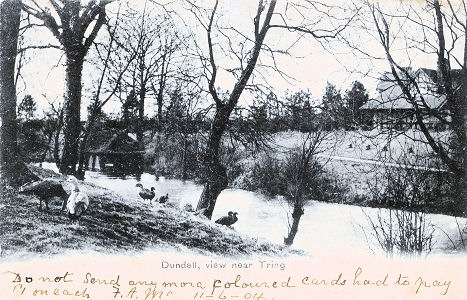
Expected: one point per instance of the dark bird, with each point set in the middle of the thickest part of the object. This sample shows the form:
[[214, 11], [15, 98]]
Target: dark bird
[[228, 220], [163, 199], [44, 190], [78, 201], [145, 193]]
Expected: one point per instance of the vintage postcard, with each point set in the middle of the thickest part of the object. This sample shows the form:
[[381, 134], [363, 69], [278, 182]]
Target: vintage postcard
[[233, 149]]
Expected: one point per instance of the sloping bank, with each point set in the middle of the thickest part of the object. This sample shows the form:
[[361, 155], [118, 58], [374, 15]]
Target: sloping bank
[[112, 225]]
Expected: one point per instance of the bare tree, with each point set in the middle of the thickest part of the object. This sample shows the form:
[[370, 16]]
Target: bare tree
[[75, 26], [102, 95], [246, 55], [403, 226], [301, 170], [152, 39], [442, 28], [169, 45]]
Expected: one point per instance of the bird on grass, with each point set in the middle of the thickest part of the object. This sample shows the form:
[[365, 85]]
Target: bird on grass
[[163, 199], [78, 201], [228, 220], [145, 193], [44, 190]]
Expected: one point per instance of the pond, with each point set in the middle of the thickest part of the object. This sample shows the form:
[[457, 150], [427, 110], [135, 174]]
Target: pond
[[325, 229]]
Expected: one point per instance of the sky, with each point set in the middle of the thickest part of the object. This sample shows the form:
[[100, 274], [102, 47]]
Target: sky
[[312, 64]]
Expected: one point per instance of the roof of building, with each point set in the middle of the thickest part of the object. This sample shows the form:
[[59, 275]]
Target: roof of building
[[391, 96], [119, 142]]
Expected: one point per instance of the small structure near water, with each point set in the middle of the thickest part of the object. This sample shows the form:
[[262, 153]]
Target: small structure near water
[[122, 153]]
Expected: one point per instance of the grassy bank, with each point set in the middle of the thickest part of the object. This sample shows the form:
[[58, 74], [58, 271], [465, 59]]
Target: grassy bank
[[111, 225]]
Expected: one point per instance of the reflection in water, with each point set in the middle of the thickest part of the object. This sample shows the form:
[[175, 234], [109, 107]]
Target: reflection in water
[[326, 229]]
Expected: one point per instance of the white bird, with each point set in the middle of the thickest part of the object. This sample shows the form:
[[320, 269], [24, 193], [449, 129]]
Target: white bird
[[78, 201]]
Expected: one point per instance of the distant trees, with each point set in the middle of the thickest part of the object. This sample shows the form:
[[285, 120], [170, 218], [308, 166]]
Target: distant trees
[[183, 124], [149, 45], [354, 98], [333, 108], [75, 26], [31, 141], [299, 111], [27, 107], [130, 108]]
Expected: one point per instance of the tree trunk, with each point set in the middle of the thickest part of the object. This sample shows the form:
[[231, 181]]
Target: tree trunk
[[13, 170], [160, 93], [185, 150], [459, 146], [159, 110], [456, 103], [58, 129], [215, 174], [74, 68], [47, 148], [140, 127], [9, 25], [83, 158], [296, 215], [82, 155]]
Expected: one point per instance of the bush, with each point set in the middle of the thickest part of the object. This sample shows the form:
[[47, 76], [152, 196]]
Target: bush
[[407, 194], [174, 155], [31, 141], [267, 175], [272, 176]]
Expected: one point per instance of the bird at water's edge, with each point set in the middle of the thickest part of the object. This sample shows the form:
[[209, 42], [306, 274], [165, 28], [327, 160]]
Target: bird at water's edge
[[228, 220], [145, 193]]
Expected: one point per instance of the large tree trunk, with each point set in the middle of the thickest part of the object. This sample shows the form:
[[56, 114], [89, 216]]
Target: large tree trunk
[[10, 11], [74, 68], [215, 174], [460, 143], [459, 151], [83, 157], [456, 103], [13, 170], [58, 130]]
